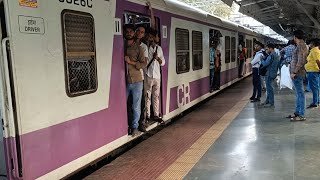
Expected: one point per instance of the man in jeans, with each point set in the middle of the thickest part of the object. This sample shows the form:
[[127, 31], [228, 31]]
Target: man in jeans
[[135, 60], [298, 73], [256, 80], [271, 63], [313, 71]]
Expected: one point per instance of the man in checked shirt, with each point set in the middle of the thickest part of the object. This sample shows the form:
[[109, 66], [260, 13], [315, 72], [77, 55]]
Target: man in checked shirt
[[297, 71]]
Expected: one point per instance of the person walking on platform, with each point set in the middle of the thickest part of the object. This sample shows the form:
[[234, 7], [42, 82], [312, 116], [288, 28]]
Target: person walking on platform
[[256, 80], [271, 65], [313, 71], [298, 73]]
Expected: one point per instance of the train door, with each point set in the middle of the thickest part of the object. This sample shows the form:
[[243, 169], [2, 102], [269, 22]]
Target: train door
[[145, 21], [3, 171]]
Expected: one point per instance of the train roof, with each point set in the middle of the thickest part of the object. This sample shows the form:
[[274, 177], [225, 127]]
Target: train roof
[[183, 9]]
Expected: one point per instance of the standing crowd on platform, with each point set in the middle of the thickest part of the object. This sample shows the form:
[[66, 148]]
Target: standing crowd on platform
[[302, 61]]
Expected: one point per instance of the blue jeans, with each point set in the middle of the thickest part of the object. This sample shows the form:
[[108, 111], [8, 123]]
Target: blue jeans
[[256, 80], [211, 79], [308, 84], [313, 80], [270, 93], [136, 90], [300, 98]]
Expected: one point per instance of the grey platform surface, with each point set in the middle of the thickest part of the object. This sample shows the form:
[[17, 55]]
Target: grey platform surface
[[261, 144]]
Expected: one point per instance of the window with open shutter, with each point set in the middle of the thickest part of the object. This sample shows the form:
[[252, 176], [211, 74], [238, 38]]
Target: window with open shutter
[[197, 50], [233, 49], [79, 53], [227, 49], [182, 51]]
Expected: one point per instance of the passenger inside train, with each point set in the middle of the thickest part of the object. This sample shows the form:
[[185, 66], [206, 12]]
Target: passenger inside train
[[215, 60], [147, 37]]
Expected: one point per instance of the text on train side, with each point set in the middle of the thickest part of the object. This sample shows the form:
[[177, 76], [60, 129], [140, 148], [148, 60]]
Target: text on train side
[[83, 3]]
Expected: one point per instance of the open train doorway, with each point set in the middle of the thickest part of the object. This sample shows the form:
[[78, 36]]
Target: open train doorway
[[3, 170]]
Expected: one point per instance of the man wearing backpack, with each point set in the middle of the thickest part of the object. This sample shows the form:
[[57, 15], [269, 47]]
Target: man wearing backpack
[[153, 77], [271, 65]]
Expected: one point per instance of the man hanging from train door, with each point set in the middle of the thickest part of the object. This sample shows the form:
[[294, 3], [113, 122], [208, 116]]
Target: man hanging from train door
[[153, 77], [139, 37], [242, 57], [217, 63], [134, 57], [152, 83]]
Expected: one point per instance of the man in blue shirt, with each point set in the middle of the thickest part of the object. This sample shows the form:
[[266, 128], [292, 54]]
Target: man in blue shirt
[[271, 63]]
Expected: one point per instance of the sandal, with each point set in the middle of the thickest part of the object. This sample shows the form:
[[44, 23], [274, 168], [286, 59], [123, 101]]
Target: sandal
[[298, 118], [159, 120], [292, 116]]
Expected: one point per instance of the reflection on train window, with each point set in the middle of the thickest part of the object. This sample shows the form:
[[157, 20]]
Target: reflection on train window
[[233, 49], [80, 53], [227, 49], [182, 51], [197, 50]]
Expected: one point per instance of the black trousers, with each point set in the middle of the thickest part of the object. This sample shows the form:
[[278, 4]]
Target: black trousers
[[216, 78], [256, 81]]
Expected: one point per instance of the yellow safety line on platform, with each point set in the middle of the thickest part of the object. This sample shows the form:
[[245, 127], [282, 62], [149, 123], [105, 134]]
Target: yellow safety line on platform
[[181, 167]]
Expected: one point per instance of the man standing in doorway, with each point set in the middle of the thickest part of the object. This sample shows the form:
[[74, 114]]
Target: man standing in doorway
[[242, 58], [153, 77], [256, 80], [298, 73], [217, 65], [139, 36], [135, 60]]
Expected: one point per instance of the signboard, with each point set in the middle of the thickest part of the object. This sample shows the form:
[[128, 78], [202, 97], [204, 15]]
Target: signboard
[[29, 3], [31, 25]]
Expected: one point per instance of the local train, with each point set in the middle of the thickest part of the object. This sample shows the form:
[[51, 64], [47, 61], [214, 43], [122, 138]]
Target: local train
[[63, 77]]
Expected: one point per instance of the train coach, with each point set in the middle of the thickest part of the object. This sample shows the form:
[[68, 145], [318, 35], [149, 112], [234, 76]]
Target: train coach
[[63, 87]]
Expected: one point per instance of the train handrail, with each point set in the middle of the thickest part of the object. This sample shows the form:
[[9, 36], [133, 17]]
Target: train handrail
[[5, 86]]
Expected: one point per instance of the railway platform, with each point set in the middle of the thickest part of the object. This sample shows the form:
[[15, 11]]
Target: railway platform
[[227, 137]]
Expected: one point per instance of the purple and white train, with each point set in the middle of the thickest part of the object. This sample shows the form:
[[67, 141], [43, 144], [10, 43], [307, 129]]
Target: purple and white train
[[63, 88]]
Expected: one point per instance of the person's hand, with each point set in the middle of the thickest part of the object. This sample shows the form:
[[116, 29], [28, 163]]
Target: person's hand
[[293, 76], [127, 59], [149, 5], [155, 56]]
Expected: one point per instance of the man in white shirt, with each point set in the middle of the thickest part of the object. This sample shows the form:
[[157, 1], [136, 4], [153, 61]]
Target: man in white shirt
[[139, 36], [255, 62], [153, 76]]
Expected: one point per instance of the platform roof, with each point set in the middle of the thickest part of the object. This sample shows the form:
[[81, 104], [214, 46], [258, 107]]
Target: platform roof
[[284, 16]]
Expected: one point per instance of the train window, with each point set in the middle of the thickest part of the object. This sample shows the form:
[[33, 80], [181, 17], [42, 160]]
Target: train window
[[197, 50], [79, 53], [182, 51], [227, 49], [233, 49]]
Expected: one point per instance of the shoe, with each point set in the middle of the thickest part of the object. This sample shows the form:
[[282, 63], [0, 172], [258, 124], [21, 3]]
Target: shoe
[[256, 100], [292, 116], [306, 91], [158, 119], [312, 106], [269, 105], [135, 132], [142, 127], [264, 103], [298, 118], [211, 90], [252, 98]]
